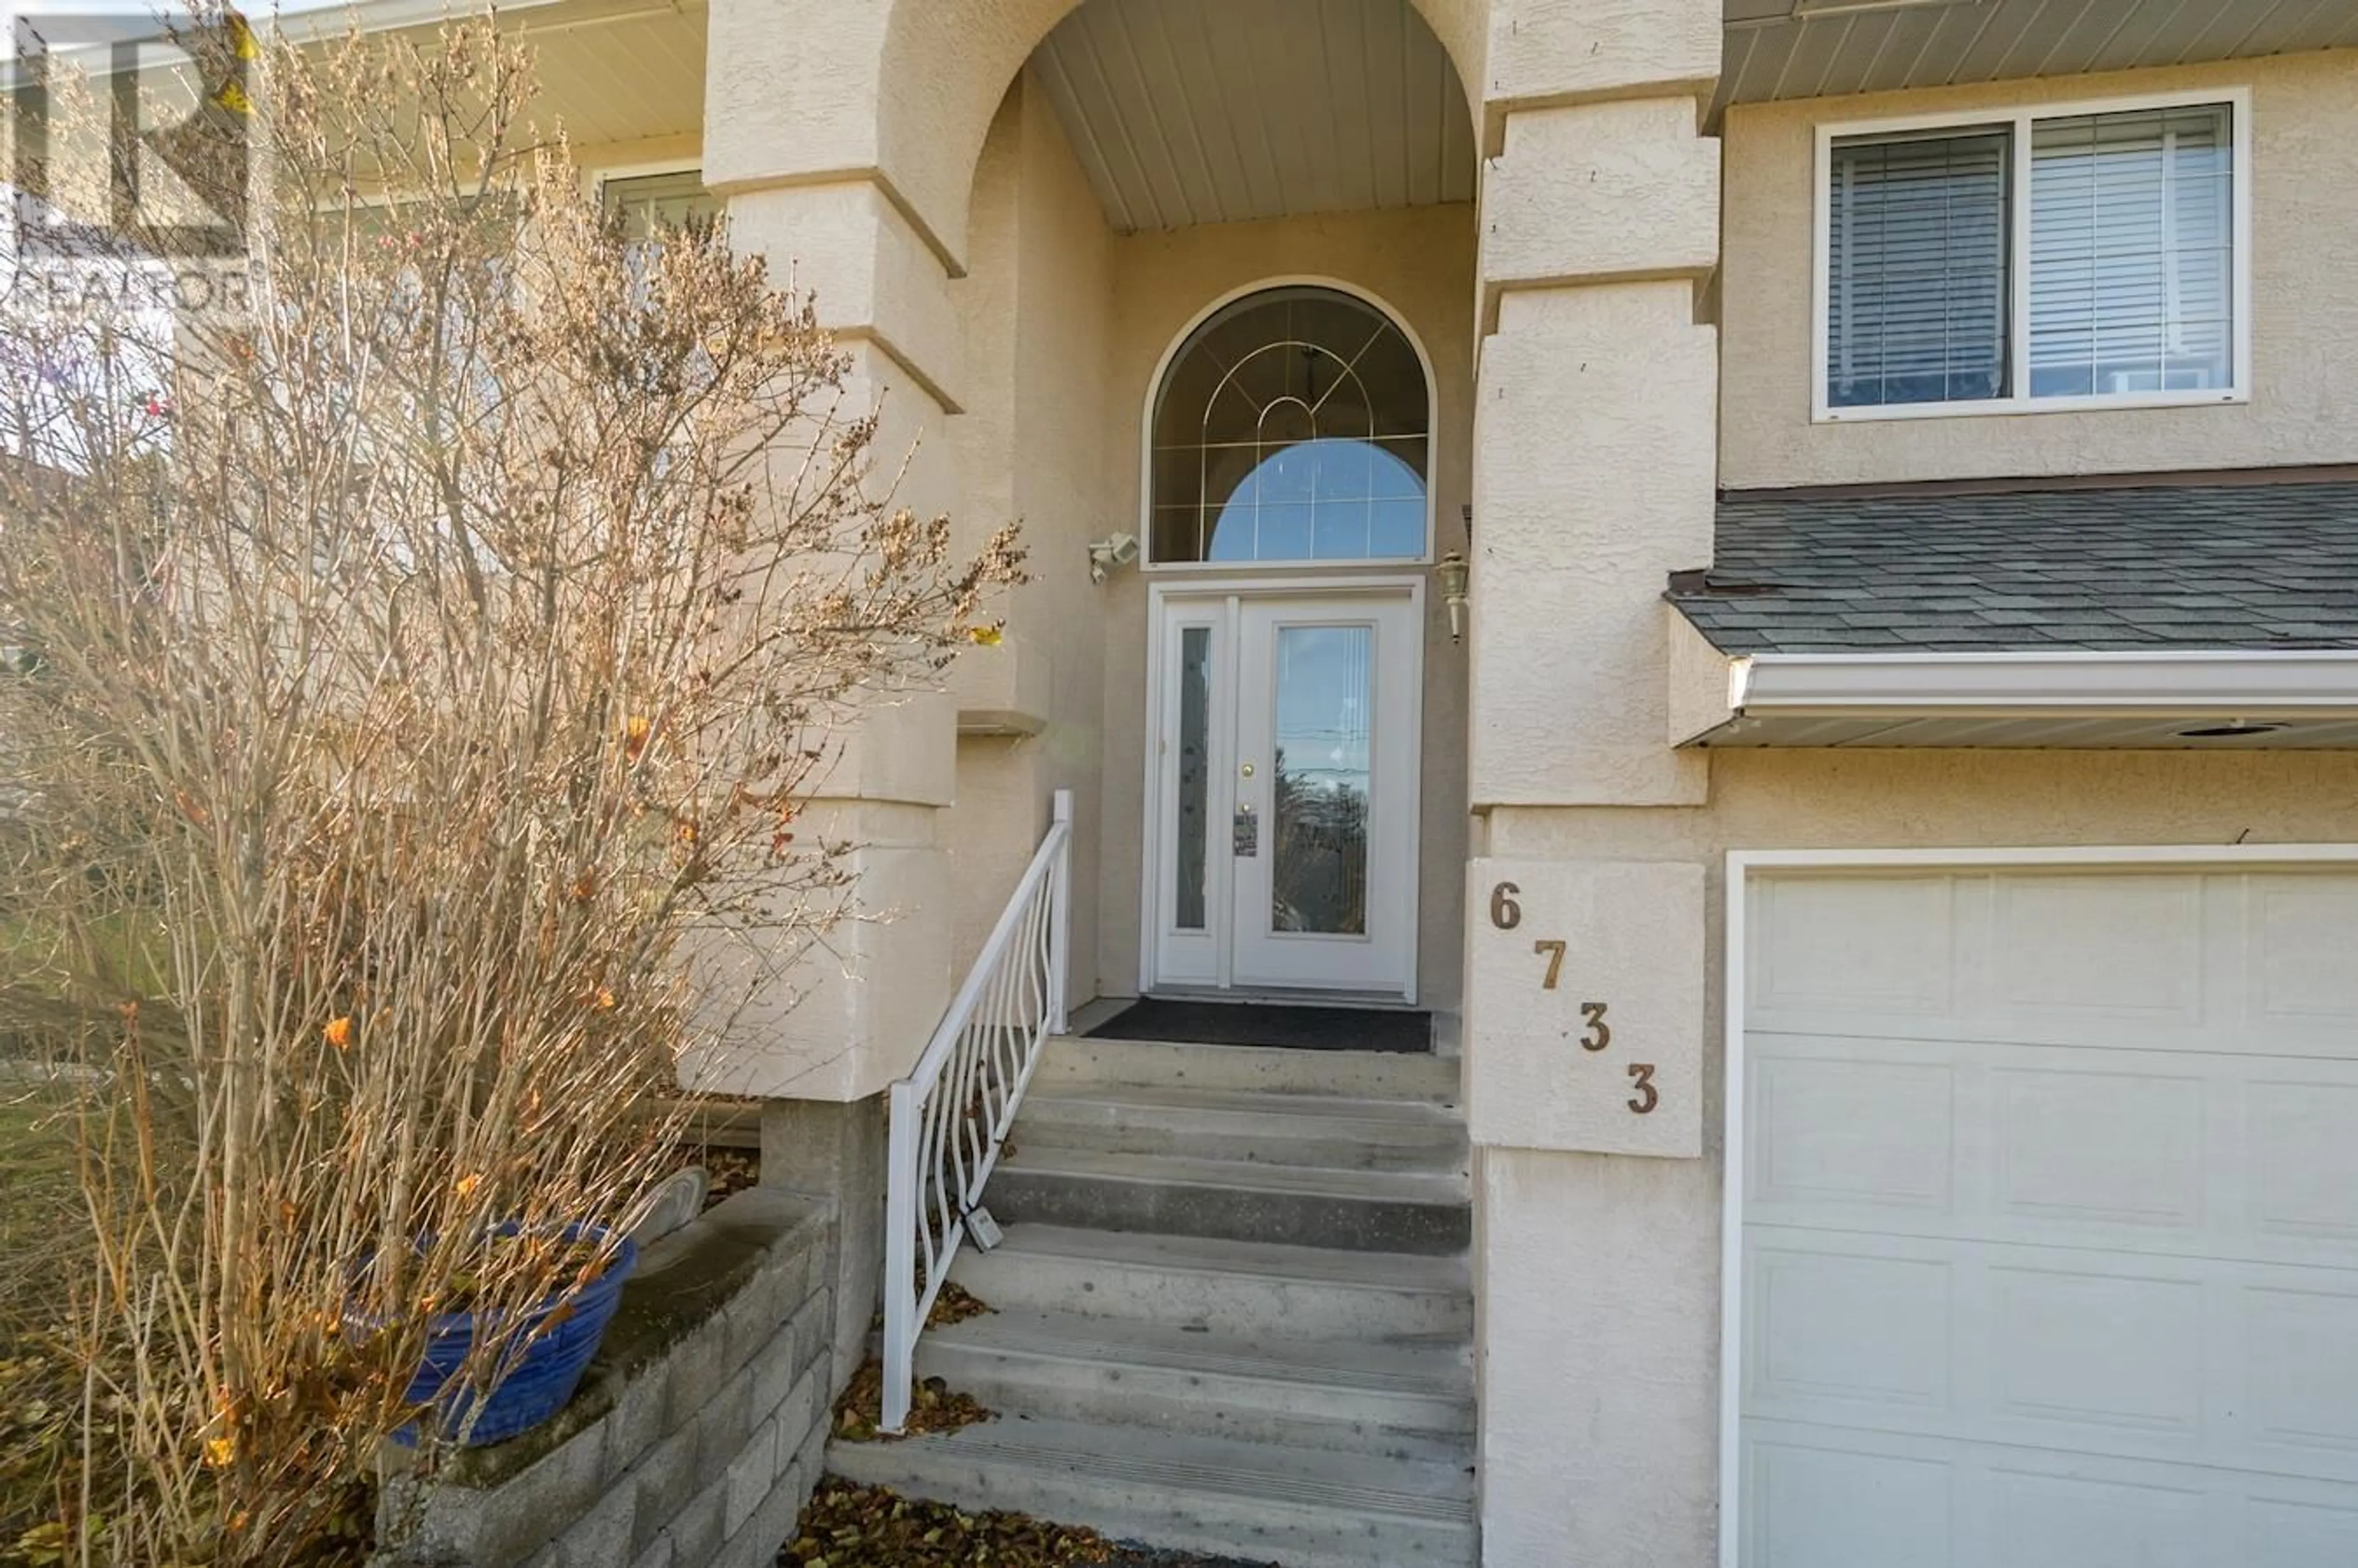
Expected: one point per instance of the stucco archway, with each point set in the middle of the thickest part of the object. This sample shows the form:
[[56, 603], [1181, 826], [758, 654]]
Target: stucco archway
[[942, 68]]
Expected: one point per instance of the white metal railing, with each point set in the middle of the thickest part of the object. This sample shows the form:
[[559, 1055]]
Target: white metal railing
[[953, 1111]]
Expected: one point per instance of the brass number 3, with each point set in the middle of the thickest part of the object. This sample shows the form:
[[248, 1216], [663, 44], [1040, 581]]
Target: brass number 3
[[1646, 1099], [1600, 1033], [1554, 951]]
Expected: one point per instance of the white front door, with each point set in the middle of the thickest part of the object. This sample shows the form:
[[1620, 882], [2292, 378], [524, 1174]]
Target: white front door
[[1283, 837], [2048, 1220]]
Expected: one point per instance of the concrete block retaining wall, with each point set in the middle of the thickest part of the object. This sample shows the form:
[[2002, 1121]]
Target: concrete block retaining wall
[[697, 1434]]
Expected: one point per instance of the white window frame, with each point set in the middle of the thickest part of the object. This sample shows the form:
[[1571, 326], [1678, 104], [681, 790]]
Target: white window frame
[[1170, 356], [2019, 119]]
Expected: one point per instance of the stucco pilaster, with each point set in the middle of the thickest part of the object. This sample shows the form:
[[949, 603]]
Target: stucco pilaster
[[1595, 469], [1588, 192], [789, 141], [1593, 480], [1562, 51]]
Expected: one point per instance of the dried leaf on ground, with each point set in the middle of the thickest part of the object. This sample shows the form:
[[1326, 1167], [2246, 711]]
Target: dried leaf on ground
[[730, 1171], [847, 1526], [933, 1407], [956, 1303]]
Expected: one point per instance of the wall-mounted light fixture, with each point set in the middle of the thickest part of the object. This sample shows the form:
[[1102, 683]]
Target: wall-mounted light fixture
[[1450, 572], [1113, 550]]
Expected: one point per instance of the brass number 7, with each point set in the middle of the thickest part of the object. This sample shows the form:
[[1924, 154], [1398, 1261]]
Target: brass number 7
[[1554, 951]]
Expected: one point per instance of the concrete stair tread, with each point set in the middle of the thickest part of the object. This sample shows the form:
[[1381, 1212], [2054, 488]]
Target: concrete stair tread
[[1303, 1479], [1258, 1260], [1246, 1102], [1439, 1369], [1241, 1175], [1096, 1061]]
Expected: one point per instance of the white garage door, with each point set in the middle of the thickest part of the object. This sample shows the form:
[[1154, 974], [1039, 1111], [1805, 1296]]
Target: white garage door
[[2049, 1205]]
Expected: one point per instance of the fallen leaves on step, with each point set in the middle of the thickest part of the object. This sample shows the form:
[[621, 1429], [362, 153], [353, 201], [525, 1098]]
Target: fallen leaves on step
[[933, 1407], [866, 1526], [847, 1526], [956, 1303]]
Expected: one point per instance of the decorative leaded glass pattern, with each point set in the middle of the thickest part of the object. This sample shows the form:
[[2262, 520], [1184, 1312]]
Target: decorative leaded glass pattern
[[1293, 425]]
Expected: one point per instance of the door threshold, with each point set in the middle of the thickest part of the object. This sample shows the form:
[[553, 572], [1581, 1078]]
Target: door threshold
[[1284, 996]]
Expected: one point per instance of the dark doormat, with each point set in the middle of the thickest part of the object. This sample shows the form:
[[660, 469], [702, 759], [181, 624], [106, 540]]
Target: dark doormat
[[1259, 1023]]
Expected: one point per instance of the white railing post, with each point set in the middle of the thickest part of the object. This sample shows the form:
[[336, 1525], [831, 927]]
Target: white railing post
[[900, 1254], [952, 1114], [1060, 913]]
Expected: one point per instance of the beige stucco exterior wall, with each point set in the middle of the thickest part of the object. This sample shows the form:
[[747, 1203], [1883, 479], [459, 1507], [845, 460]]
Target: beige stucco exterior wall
[[2305, 307], [1419, 263], [1035, 306]]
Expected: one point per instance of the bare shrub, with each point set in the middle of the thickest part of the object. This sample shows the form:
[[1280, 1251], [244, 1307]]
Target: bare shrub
[[415, 674]]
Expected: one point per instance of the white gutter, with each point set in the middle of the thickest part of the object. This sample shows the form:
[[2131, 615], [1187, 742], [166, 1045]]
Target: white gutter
[[2071, 682]]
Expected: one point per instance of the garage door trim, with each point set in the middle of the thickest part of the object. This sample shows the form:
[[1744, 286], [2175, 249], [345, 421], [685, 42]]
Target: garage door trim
[[1740, 866]]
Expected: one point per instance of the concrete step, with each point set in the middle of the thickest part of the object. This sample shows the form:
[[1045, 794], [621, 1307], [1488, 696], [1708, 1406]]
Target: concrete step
[[1298, 1206], [1300, 1507], [1223, 1285], [1255, 1128], [1400, 1400], [1354, 1074]]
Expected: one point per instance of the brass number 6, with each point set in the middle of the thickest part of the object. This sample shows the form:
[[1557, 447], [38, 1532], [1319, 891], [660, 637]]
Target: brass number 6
[[1504, 913], [1647, 1097]]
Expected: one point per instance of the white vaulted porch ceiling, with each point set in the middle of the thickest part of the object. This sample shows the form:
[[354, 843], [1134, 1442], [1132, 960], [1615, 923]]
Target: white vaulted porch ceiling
[[1187, 112]]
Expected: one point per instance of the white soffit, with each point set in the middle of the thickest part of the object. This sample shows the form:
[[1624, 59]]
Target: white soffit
[[619, 72], [1872, 46], [2056, 698], [1185, 111]]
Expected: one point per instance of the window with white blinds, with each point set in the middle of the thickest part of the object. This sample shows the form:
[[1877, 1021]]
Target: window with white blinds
[[2033, 261], [1916, 257]]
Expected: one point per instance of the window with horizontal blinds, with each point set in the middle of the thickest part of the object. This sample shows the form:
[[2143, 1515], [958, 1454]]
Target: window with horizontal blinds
[[2132, 252], [1916, 252], [2098, 249]]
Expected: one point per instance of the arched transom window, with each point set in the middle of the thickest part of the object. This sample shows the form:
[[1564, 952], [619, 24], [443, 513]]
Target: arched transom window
[[1293, 425]]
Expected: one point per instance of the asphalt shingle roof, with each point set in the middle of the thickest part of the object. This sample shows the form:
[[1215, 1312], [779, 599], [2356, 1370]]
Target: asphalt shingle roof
[[2207, 565]]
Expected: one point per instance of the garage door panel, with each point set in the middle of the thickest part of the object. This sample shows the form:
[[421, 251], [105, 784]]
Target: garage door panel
[[2231, 962], [2050, 1249], [2161, 1152], [1816, 1504], [2052, 1520], [2299, 1533], [2302, 1379], [2170, 1360], [2146, 1169], [1840, 1127], [1822, 1497], [2301, 980], [2078, 1348], [1875, 953], [1834, 1329], [2301, 1129], [2081, 954]]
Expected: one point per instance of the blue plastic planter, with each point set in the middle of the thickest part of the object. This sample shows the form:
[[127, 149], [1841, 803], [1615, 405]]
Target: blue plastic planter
[[542, 1380]]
